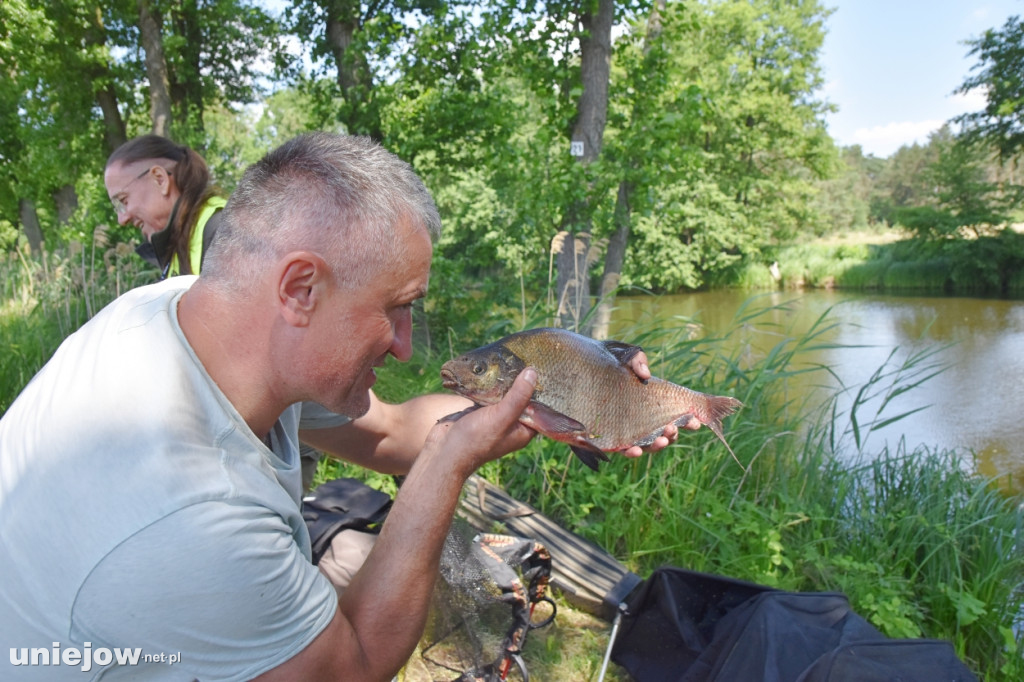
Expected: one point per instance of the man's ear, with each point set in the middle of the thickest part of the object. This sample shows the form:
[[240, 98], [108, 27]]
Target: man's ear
[[302, 276]]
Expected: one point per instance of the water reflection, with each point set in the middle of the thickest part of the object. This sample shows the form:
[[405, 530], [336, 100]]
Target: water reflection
[[972, 405]]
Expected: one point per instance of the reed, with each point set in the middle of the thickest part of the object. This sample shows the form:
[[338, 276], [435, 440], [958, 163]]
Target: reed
[[925, 275], [864, 275], [990, 265], [920, 545]]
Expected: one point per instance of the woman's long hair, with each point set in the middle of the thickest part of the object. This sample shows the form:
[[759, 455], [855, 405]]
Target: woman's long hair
[[191, 175]]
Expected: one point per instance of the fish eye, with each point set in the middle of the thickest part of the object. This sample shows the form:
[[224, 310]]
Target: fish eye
[[479, 368]]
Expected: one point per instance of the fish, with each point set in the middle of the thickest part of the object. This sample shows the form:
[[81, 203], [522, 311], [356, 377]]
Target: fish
[[586, 394]]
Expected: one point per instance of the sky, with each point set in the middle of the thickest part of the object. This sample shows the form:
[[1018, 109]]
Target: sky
[[891, 66]]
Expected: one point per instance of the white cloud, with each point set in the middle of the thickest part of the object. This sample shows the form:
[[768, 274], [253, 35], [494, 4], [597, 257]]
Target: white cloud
[[970, 101], [883, 140]]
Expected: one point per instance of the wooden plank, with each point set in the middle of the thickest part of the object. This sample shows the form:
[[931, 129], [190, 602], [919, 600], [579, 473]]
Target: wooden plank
[[588, 577]]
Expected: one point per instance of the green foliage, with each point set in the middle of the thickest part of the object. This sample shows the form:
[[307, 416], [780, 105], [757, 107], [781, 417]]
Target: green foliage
[[1000, 73], [963, 202], [714, 127], [43, 133], [984, 265], [696, 229], [844, 200]]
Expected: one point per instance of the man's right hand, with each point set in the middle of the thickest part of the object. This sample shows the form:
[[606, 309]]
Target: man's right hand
[[481, 435]]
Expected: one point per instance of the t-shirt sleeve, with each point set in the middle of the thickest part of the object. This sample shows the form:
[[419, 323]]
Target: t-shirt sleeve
[[222, 584]]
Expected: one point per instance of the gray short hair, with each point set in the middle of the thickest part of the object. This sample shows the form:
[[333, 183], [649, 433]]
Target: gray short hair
[[340, 195]]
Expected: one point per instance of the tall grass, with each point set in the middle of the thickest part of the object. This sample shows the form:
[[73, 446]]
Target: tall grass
[[926, 275], [991, 265], [47, 297]]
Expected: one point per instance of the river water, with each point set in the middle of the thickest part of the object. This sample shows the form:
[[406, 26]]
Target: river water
[[973, 404]]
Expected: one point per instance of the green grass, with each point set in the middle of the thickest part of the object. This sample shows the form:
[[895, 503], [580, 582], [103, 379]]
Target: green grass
[[926, 275]]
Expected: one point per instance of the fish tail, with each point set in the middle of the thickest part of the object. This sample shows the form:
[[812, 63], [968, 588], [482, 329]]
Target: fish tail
[[719, 407]]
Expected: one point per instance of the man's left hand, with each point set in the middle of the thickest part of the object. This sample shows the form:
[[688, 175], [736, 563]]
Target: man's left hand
[[643, 372]]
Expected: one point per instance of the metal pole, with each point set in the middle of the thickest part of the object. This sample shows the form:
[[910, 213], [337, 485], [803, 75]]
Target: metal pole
[[611, 640]]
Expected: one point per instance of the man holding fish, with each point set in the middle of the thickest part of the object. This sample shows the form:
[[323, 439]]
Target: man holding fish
[[149, 473]]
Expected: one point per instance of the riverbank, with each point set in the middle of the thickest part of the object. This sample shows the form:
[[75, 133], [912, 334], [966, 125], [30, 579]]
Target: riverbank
[[891, 260]]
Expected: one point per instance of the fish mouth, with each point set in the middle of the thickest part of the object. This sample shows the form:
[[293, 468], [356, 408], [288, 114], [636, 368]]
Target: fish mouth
[[449, 381]]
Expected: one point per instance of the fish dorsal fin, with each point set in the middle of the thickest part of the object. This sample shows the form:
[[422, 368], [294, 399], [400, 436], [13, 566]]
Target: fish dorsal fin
[[552, 421], [623, 352]]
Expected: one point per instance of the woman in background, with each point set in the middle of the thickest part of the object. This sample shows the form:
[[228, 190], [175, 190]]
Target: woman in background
[[164, 189]]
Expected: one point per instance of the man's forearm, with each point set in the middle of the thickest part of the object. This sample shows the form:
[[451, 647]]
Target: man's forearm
[[388, 599]]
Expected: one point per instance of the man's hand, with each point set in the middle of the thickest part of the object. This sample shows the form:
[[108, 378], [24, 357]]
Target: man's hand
[[480, 435], [643, 372]]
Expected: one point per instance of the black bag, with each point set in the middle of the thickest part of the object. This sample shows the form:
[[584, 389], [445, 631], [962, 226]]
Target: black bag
[[684, 626], [344, 503]]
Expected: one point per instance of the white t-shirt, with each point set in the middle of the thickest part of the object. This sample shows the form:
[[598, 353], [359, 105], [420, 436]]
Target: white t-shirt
[[140, 515]]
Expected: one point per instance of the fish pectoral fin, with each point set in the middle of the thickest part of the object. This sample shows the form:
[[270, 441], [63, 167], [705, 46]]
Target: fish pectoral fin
[[623, 352], [589, 455], [454, 416], [687, 421], [551, 421]]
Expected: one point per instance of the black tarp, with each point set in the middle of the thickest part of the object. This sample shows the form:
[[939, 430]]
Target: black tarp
[[685, 626]]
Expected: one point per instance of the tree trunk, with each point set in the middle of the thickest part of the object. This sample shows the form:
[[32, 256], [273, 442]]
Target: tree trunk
[[343, 23], [187, 80], [101, 78], [113, 125], [587, 137], [30, 221], [613, 261], [66, 201], [595, 70], [156, 69], [616, 255]]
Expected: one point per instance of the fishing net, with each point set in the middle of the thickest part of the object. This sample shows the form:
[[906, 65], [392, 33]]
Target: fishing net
[[491, 593]]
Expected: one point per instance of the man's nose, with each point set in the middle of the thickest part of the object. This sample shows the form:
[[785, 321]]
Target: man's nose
[[401, 345]]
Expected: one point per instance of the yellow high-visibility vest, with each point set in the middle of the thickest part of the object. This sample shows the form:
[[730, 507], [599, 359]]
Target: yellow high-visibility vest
[[195, 243]]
